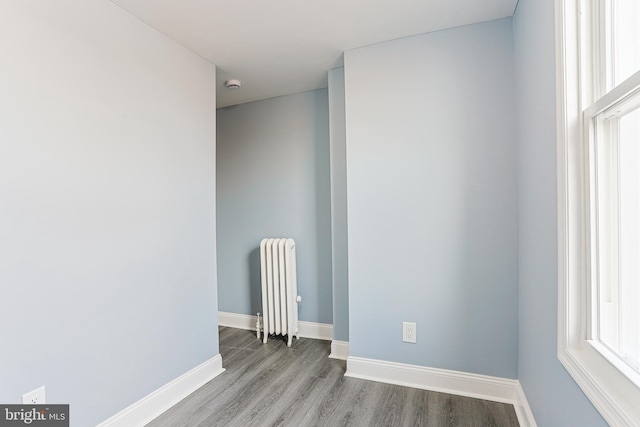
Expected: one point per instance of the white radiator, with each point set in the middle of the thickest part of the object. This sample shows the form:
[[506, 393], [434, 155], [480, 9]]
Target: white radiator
[[279, 289]]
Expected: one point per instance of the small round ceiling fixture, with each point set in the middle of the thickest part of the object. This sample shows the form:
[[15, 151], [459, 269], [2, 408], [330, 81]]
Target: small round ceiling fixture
[[233, 84]]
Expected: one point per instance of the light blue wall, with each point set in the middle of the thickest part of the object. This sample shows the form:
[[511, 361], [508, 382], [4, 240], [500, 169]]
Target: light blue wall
[[273, 181], [431, 179], [339, 240], [107, 207], [554, 397]]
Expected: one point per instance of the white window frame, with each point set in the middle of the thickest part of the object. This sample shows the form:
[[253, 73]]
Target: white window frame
[[613, 394]]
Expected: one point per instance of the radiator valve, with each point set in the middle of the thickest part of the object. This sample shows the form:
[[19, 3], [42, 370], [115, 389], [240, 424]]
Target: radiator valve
[[258, 326]]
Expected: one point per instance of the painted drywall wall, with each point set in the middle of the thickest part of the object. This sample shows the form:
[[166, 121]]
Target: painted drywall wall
[[107, 212], [431, 180], [339, 238], [273, 181], [554, 397]]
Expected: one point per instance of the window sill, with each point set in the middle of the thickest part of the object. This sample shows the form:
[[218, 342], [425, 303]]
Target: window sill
[[613, 394]]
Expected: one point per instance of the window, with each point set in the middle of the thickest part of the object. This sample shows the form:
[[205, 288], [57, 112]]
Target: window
[[598, 48], [613, 135]]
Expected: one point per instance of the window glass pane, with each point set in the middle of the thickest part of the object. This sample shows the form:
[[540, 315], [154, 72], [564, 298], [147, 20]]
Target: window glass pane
[[607, 229], [629, 270], [625, 39], [617, 167]]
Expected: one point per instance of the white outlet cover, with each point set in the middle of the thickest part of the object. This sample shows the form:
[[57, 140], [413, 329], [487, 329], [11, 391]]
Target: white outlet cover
[[35, 397], [409, 332]]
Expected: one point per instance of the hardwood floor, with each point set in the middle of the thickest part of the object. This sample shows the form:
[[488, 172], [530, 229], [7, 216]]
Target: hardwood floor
[[274, 385]]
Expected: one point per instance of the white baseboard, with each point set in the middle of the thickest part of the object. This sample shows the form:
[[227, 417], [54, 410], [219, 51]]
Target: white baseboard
[[239, 321], [339, 350], [485, 387], [151, 406], [523, 411], [319, 331], [434, 379]]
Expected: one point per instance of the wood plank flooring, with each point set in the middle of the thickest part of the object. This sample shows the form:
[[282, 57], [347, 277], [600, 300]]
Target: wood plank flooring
[[274, 385]]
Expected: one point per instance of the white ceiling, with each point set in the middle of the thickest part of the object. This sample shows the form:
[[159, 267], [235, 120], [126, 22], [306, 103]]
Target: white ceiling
[[279, 47]]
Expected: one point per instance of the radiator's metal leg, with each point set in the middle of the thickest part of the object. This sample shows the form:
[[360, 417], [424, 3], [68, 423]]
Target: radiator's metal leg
[[290, 340]]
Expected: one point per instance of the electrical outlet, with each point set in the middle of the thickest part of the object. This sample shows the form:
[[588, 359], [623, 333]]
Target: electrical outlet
[[409, 332], [35, 397]]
